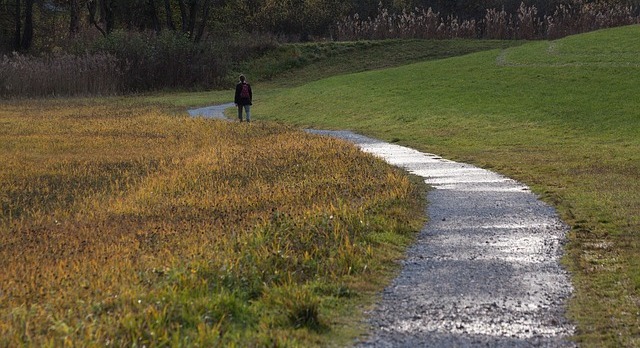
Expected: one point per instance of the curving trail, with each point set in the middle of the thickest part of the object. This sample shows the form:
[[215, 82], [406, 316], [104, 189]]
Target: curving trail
[[485, 270]]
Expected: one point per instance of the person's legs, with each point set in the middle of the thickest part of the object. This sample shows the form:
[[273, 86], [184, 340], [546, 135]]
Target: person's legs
[[240, 112], [247, 110]]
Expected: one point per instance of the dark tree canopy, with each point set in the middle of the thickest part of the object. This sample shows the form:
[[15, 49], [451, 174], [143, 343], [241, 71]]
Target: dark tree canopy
[[42, 24]]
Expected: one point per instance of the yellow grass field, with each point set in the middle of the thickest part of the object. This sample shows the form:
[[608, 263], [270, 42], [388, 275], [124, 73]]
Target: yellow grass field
[[122, 225]]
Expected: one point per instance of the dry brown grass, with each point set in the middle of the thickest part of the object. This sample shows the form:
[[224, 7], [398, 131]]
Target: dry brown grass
[[121, 225]]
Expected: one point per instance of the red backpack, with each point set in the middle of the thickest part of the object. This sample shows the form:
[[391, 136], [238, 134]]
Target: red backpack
[[244, 94]]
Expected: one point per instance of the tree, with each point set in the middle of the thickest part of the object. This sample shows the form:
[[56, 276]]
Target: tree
[[27, 34], [74, 17], [203, 21], [169, 15], [21, 21], [153, 15], [195, 16], [101, 15], [18, 26]]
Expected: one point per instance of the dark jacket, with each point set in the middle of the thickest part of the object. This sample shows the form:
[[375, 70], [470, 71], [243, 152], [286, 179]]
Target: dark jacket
[[238, 99]]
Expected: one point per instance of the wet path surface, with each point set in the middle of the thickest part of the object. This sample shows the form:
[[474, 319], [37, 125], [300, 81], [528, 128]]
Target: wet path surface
[[214, 112], [485, 269]]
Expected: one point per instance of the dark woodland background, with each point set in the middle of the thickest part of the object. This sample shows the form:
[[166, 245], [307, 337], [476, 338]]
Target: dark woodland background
[[119, 46]]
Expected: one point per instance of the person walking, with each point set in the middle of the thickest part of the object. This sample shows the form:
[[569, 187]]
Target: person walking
[[243, 98]]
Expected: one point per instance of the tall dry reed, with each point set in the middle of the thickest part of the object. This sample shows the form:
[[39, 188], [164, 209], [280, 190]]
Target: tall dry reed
[[59, 75], [582, 16], [129, 62], [526, 23]]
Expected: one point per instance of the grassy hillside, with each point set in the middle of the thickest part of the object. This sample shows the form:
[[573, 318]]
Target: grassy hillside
[[297, 64], [561, 116]]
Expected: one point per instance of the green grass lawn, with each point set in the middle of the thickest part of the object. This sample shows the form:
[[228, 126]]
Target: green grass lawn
[[561, 116], [298, 64]]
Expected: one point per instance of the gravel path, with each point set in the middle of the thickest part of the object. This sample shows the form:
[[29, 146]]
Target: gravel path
[[484, 271]]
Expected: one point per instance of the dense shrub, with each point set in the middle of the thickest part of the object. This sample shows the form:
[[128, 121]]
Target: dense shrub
[[165, 60], [127, 62], [60, 75]]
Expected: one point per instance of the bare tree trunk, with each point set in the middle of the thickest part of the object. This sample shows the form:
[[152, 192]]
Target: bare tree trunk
[[153, 13], [169, 14], [204, 20], [18, 28], [193, 16], [27, 35], [183, 15], [92, 6], [74, 14], [106, 15]]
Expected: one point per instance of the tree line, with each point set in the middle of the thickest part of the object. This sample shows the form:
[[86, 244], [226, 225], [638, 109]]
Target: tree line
[[93, 47], [42, 25]]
